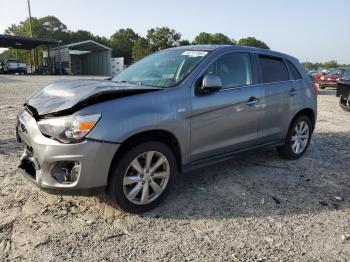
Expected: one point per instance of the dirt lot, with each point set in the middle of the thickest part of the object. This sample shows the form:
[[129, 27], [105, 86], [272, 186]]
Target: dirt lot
[[255, 207]]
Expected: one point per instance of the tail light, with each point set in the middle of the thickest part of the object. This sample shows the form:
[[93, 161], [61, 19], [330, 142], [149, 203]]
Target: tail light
[[315, 88]]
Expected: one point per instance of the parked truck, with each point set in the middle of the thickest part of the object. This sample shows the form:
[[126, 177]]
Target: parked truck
[[12, 66]]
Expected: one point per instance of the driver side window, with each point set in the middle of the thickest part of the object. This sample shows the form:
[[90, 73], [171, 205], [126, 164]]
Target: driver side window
[[234, 70]]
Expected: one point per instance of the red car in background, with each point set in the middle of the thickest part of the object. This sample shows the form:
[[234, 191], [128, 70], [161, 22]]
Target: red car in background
[[319, 74], [330, 79]]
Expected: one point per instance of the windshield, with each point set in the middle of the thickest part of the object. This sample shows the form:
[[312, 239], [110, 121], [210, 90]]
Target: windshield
[[336, 72], [162, 69]]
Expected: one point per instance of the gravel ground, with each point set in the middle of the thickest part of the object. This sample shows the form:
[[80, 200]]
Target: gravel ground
[[256, 207]]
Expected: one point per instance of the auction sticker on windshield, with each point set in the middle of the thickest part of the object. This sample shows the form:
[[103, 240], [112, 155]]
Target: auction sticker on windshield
[[194, 53]]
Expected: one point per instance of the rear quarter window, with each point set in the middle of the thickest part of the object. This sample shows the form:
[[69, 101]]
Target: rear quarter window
[[294, 71], [273, 69]]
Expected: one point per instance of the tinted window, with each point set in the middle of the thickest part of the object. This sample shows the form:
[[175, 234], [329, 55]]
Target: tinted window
[[294, 71], [234, 70], [339, 72], [273, 69], [346, 75]]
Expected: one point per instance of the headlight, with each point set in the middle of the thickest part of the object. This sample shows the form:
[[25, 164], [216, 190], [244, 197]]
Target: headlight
[[70, 129], [322, 77]]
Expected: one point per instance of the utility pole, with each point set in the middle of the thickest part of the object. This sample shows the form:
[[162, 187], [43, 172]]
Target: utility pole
[[31, 34], [30, 19]]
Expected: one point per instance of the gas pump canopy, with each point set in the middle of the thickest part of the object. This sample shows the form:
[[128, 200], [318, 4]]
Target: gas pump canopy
[[24, 42]]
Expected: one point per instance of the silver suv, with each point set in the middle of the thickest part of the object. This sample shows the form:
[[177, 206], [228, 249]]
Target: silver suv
[[173, 111]]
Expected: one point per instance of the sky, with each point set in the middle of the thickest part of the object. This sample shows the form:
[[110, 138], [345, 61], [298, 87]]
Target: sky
[[315, 31]]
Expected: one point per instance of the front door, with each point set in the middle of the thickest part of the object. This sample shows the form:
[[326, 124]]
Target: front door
[[228, 119]]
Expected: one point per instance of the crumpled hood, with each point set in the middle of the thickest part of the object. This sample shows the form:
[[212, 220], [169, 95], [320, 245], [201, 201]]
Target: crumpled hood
[[65, 95]]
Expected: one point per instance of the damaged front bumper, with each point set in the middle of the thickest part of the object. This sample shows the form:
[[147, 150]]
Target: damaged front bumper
[[73, 169]]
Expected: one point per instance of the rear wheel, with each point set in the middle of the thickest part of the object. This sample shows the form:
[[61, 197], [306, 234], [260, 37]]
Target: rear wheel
[[142, 177], [298, 138]]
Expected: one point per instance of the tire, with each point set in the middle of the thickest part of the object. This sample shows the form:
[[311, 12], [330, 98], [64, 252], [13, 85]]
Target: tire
[[321, 86], [122, 172], [288, 150], [345, 107]]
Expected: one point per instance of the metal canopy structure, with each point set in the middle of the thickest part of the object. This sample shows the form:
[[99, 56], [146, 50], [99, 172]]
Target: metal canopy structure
[[86, 57], [24, 42], [88, 45]]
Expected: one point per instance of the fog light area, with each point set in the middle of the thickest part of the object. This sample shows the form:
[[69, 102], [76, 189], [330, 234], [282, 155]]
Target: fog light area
[[66, 172]]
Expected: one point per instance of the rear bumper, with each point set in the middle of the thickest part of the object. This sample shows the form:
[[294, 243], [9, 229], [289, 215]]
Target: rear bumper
[[44, 157], [17, 70], [328, 83]]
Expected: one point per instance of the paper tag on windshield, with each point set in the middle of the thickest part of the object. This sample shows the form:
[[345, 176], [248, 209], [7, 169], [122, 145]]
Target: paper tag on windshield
[[194, 53]]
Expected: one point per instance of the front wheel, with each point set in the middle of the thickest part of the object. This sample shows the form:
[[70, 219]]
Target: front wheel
[[298, 139], [142, 177]]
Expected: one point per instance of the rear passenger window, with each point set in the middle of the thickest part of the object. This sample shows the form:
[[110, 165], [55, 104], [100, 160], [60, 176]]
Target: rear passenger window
[[273, 69], [294, 71], [234, 70]]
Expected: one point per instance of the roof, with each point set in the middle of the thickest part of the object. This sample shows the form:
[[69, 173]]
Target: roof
[[88, 45], [200, 47], [230, 47], [24, 42]]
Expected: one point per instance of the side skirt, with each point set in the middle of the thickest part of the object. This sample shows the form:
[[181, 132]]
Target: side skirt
[[226, 156]]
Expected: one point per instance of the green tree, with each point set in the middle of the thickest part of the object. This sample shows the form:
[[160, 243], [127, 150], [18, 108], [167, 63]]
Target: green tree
[[203, 39], [122, 42], [221, 39], [49, 27], [140, 49], [184, 42], [161, 38], [331, 64], [252, 41], [308, 65], [45, 27], [213, 39], [52, 27]]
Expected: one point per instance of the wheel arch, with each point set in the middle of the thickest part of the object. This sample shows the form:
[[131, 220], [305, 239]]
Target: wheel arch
[[309, 112], [160, 135]]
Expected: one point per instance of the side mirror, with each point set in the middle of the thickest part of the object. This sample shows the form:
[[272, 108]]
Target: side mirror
[[211, 83]]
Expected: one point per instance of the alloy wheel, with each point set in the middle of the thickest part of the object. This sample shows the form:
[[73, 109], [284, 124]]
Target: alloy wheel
[[300, 137], [146, 178]]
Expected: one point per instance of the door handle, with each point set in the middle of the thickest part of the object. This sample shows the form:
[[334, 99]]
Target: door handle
[[252, 101], [292, 92]]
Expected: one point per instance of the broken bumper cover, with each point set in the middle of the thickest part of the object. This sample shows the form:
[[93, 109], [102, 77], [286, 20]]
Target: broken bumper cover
[[44, 160]]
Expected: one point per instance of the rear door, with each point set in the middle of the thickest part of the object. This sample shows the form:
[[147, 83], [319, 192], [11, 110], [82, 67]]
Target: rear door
[[226, 120], [279, 91]]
